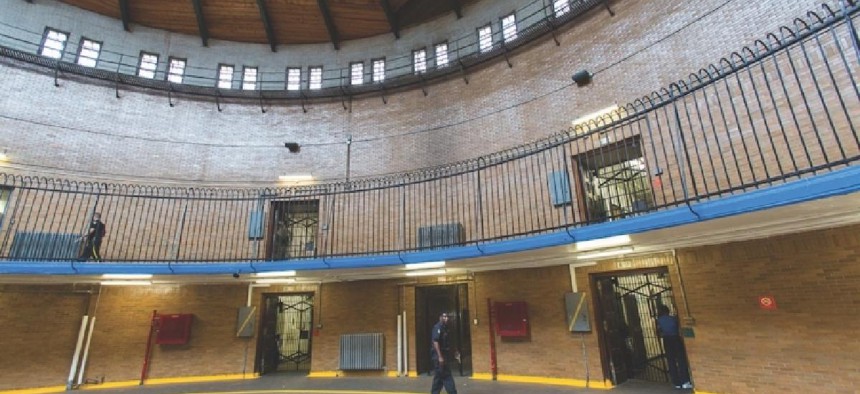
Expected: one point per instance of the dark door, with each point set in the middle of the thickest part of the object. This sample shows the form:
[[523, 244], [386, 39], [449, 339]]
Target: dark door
[[614, 332], [267, 347], [431, 301]]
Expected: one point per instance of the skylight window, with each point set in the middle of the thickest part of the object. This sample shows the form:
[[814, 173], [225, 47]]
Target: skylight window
[[315, 78], [419, 61], [509, 28], [379, 70], [561, 7], [147, 66], [176, 70], [442, 55], [53, 43], [249, 78], [88, 52], [356, 72], [294, 78], [485, 38], [225, 76]]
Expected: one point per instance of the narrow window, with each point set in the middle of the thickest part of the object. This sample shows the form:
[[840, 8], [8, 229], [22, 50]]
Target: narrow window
[[249, 78], [442, 55], [561, 7], [315, 78], [356, 71], [88, 52], [509, 28], [419, 61], [485, 38], [175, 70], [53, 43], [378, 70], [294, 78], [147, 66], [225, 76]]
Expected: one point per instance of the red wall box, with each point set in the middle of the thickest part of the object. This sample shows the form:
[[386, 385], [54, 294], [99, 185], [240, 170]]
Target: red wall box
[[173, 329], [512, 319]]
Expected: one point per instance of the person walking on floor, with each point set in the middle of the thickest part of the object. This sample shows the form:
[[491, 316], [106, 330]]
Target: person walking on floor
[[441, 355], [676, 355]]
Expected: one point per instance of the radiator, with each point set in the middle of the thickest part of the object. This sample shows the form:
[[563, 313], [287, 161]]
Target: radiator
[[361, 352], [448, 234], [47, 246]]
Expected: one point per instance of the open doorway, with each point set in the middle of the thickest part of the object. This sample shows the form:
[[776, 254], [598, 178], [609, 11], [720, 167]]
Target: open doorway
[[285, 333], [626, 303], [430, 302]]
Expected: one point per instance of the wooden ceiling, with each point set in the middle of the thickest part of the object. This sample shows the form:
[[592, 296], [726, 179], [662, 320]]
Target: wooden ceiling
[[274, 22]]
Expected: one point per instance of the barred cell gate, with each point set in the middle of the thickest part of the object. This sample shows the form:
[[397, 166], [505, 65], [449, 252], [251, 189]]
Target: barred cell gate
[[286, 333], [627, 306]]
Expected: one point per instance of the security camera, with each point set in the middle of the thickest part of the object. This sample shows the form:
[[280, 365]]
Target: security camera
[[236, 275]]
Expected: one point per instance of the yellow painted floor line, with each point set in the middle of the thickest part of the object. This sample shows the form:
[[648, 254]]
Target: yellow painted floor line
[[315, 392], [40, 390]]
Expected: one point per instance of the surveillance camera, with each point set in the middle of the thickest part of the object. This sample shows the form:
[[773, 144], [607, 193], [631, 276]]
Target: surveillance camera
[[236, 275]]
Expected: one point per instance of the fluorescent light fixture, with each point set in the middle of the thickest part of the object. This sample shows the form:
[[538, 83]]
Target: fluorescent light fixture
[[127, 276], [296, 178], [275, 274], [441, 271], [273, 281], [604, 253], [126, 283], [607, 242], [595, 115], [4, 156], [427, 265]]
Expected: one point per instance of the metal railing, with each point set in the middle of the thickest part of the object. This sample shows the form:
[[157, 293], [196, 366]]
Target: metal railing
[[533, 20], [782, 109]]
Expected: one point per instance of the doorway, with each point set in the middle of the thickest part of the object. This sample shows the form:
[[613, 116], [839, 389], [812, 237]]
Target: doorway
[[430, 302], [627, 305], [285, 333]]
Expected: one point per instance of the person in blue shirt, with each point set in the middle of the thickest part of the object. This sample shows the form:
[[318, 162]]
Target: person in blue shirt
[[676, 355], [441, 355]]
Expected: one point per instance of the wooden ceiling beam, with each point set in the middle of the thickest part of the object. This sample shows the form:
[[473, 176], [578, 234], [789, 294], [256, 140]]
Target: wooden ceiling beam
[[392, 18], [270, 33], [123, 12], [329, 24], [457, 7], [201, 22]]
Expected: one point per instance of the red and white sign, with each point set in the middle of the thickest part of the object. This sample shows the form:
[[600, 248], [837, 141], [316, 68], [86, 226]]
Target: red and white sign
[[767, 302]]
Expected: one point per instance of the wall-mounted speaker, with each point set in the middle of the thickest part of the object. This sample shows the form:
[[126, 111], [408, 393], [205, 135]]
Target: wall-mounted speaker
[[292, 146], [582, 78]]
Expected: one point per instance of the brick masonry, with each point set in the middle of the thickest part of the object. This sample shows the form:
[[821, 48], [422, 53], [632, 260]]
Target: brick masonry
[[806, 345]]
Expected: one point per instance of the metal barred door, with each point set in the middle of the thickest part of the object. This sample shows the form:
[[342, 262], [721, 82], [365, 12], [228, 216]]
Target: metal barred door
[[629, 309]]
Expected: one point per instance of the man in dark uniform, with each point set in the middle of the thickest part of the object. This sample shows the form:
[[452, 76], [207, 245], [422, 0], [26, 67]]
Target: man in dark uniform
[[93, 239], [676, 355], [441, 354]]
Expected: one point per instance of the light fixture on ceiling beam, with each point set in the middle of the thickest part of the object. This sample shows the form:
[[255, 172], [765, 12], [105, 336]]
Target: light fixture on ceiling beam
[[127, 276], [425, 265], [126, 283], [275, 274], [600, 243], [274, 281], [604, 253]]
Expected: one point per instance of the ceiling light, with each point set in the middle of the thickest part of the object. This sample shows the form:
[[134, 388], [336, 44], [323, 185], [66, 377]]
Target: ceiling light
[[274, 274], [608, 242], [596, 115], [126, 283], [427, 265], [427, 272], [126, 276], [604, 253], [275, 281], [296, 178]]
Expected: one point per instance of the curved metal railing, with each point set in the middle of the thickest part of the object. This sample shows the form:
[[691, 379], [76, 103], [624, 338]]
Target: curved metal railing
[[782, 109]]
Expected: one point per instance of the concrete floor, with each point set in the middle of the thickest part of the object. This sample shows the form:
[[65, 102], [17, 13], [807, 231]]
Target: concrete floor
[[295, 383]]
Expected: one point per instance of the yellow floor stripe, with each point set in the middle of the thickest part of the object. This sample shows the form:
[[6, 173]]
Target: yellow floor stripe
[[40, 390], [594, 384], [317, 392], [176, 380]]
